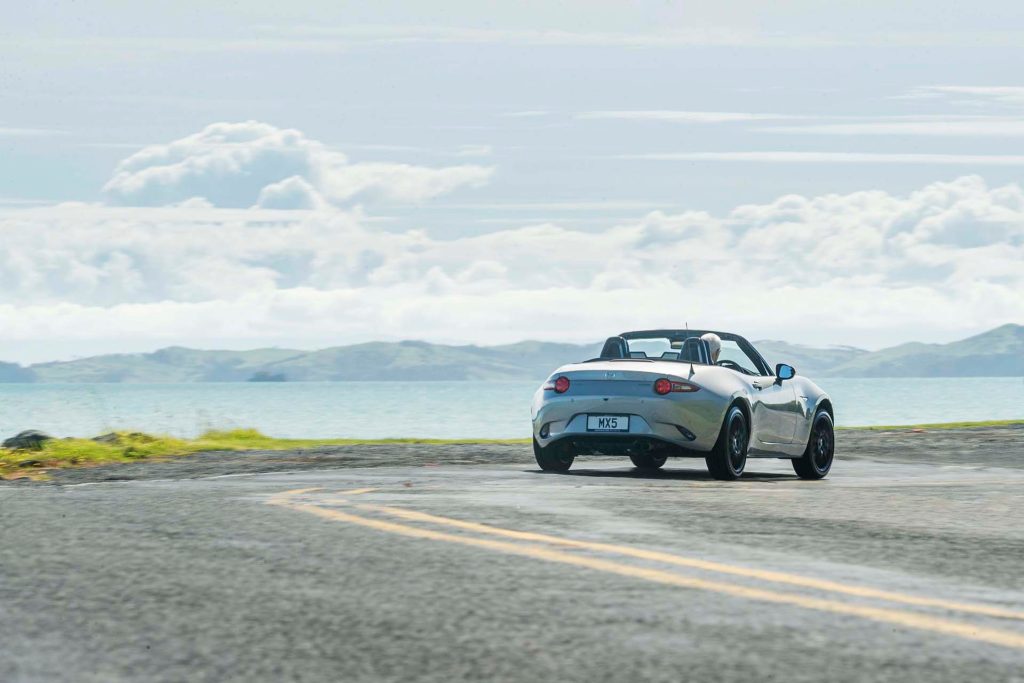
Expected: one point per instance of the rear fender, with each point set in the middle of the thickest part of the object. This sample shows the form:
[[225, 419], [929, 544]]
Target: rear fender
[[742, 399]]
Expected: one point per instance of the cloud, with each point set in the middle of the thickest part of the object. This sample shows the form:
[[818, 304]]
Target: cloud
[[335, 37], [399, 182], [681, 116], [291, 193], [466, 35], [973, 127], [918, 125], [243, 164], [785, 157], [474, 151], [6, 131], [526, 113], [868, 268], [970, 94]]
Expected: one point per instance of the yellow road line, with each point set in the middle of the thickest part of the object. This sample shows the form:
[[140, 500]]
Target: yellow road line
[[286, 496], [884, 615], [278, 498], [695, 563], [356, 492]]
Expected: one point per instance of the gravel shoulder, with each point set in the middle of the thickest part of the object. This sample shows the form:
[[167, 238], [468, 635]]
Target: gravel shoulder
[[1000, 446]]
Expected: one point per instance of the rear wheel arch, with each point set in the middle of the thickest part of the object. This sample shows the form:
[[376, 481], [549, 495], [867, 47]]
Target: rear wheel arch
[[826, 405], [744, 405]]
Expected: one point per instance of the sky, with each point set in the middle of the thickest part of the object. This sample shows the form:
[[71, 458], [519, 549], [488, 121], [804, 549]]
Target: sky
[[308, 174]]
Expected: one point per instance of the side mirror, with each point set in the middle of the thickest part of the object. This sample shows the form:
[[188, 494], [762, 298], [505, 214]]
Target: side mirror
[[784, 372]]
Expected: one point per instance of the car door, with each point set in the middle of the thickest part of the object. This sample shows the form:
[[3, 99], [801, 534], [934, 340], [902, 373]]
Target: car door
[[774, 409]]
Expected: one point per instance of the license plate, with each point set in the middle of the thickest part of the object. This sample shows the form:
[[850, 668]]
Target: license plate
[[607, 423]]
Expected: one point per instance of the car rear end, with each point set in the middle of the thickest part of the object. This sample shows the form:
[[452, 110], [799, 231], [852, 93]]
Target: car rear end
[[623, 407]]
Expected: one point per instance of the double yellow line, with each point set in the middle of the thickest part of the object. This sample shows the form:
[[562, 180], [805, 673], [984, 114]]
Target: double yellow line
[[539, 546]]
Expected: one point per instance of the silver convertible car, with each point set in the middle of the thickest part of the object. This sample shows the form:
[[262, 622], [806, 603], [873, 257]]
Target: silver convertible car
[[656, 393]]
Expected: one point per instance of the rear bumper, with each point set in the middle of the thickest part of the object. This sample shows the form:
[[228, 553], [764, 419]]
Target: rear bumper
[[689, 424], [604, 444]]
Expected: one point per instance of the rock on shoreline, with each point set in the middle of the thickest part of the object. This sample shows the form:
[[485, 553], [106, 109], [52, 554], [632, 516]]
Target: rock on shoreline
[[28, 440]]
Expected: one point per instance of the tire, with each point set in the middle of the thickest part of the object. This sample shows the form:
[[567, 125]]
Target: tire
[[648, 461], [556, 457], [729, 457], [816, 462]]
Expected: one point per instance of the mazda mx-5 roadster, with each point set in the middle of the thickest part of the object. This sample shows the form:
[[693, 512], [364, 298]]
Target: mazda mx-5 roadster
[[657, 394]]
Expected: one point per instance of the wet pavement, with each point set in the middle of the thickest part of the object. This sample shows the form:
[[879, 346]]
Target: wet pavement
[[907, 563]]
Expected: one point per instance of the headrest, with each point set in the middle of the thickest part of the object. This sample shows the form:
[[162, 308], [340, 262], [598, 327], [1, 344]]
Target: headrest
[[615, 347]]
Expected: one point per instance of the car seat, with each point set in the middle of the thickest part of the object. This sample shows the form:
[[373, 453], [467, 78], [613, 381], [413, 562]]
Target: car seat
[[695, 350], [614, 347]]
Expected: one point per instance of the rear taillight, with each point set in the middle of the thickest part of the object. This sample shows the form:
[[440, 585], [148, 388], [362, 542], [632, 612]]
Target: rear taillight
[[559, 386], [664, 386]]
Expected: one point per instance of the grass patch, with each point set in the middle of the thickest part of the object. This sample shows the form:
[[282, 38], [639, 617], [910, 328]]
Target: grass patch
[[132, 446], [938, 425]]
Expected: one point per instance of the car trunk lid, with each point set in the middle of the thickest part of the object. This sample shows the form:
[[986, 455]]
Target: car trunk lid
[[619, 378]]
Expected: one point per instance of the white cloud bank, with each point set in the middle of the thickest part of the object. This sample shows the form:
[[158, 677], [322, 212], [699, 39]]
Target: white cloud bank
[[252, 163], [867, 268]]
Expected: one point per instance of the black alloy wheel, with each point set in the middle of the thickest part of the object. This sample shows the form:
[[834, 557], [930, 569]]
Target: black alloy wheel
[[816, 462], [728, 459], [648, 461], [555, 457]]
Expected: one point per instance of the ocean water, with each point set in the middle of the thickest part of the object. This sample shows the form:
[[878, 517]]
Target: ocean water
[[427, 409]]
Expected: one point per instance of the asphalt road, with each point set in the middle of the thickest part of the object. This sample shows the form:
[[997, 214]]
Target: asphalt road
[[467, 563]]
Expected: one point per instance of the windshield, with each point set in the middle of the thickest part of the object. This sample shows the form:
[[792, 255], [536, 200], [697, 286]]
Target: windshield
[[732, 356], [660, 347], [688, 349]]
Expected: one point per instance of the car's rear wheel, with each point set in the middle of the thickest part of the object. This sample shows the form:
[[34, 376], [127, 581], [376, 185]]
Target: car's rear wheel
[[729, 456], [555, 457], [648, 461], [816, 461]]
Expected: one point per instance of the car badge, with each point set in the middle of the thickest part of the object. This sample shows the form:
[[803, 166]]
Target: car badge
[[609, 375]]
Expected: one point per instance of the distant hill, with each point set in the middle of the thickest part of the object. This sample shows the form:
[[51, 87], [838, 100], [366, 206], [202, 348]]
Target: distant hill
[[12, 372], [173, 364], [407, 360], [998, 352], [808, 360], [416, 360]]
